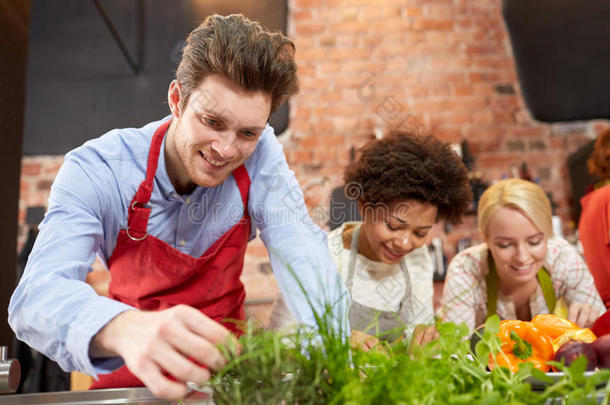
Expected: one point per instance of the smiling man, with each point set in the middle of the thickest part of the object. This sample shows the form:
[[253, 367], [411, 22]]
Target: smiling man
[[170, 207]]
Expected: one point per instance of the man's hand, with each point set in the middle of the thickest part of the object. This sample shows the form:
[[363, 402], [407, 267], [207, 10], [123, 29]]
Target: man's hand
[[153, 342], [582, 314]]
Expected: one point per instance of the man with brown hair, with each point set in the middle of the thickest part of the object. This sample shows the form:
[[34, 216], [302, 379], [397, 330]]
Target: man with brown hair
[[170, 207]]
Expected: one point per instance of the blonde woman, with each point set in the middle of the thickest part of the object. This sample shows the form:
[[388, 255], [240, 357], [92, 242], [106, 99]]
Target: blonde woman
[[521, 269]]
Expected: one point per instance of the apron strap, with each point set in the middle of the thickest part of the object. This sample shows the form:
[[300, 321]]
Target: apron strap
[[544, 279], [351, 266], [138, 213], [243, 183], [492, 286], [550, 298]]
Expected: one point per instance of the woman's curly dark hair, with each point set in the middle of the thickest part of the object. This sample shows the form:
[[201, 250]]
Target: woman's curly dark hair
[[599, 162], [405, 166]]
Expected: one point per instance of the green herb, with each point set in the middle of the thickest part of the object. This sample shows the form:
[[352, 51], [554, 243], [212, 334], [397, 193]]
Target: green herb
[[303, 366]]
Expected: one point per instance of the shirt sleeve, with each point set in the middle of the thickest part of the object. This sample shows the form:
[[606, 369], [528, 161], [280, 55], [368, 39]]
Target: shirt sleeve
[[297, 247], [52, 309], [571, 276], [460, 300]]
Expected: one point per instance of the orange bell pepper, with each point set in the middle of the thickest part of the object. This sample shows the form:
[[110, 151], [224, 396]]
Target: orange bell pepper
[[553, 325], [581, 335], [522, 342]]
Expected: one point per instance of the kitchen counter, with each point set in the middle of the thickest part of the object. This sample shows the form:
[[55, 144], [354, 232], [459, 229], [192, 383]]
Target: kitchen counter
[[140, 396]]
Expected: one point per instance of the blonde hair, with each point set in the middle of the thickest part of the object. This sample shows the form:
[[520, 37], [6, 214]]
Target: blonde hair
[[522, 195]]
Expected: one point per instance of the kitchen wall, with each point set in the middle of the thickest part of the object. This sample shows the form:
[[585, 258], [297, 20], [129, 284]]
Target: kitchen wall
[[364, 65]]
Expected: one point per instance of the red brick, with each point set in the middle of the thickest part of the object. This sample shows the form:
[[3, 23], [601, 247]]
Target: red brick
[[425, 24], [461, 118], [30, 169], [301, 155], [503, 117], [439, 10], [462, 89], [351, 27], [482, 118], [327, 41], [306, 70], [413, 11], [44, 185], [309, 28], [483, 77], [312, 83], [322, 126], [310, 141], [530, 131], [307, 3], [314, 54], [343, 54], [301, 15], [302, 113], [324, 154], [301, 125], [331, 95], [475, 50], [329, 67]]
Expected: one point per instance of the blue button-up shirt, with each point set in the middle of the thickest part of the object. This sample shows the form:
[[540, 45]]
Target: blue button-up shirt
[[56, 313]]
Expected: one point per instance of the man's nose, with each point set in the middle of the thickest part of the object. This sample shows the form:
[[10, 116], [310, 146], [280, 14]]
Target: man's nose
[[224, 145]]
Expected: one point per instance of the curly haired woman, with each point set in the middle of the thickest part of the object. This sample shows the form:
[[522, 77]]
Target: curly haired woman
[[594, 225], [403, 183]]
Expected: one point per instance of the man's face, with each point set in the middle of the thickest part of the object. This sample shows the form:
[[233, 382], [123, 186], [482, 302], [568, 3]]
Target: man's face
[[214, 133]]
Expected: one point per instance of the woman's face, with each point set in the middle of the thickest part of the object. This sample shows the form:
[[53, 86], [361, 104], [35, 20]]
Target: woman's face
[[391, 231], [517, 246]]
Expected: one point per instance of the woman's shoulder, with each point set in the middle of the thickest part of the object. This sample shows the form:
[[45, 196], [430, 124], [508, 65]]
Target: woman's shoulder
[[558, 246], [471, 260], [561, 254], [342, 234]]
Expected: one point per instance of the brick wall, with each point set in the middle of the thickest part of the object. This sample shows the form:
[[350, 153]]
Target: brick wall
[[365, 65]]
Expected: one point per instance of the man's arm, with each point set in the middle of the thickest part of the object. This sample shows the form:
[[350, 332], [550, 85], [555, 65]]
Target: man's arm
[[297, 246], [52, 308]]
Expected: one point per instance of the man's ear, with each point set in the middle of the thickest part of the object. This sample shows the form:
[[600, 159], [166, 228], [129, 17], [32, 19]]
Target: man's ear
[[174, 97]]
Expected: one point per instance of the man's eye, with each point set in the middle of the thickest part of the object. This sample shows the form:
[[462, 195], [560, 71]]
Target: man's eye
[[249, 134], [211, 122]]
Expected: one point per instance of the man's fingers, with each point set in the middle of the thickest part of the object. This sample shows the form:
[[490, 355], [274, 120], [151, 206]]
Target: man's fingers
[[160, 386], [203, 325], [194, 346], [179, 366]]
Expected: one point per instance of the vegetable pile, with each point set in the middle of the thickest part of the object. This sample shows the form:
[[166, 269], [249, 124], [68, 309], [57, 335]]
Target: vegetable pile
[[303, 367]]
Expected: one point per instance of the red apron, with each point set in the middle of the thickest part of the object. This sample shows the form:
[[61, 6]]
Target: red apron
[[150, 275]]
